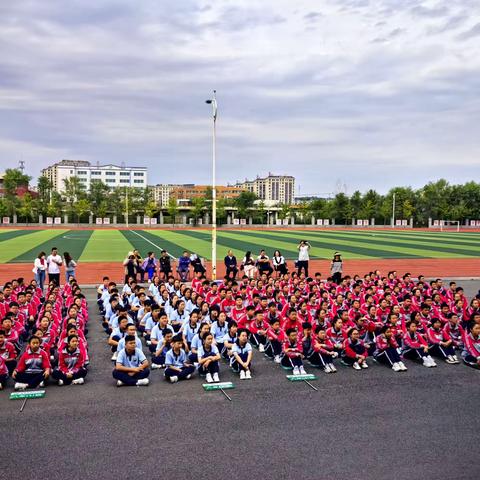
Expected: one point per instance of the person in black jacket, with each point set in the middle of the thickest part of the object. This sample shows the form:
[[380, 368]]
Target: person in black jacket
[[231, 266], [165, 265]]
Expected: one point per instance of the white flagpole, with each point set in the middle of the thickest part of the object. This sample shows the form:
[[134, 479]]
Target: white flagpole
[[213, 102]]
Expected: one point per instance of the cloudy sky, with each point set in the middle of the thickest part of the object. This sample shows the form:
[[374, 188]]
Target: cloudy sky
[[367, 93]]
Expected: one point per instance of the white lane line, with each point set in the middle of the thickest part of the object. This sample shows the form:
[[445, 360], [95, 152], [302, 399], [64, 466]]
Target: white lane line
[[151, 243]]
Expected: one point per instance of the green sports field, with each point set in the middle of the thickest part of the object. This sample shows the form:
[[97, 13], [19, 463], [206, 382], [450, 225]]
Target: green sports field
[[17, 245]]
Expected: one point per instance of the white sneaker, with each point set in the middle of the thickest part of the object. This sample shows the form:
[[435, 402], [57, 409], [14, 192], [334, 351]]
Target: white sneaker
[[120, 383], [156, 366], [396, 367], [209, 378], [277, 359], [455, 358], [403, 367], [114, 357], [248, 375], [450, 360], [20, 386], [189, 376], [174, 379], [261, 348], [364, 364], [78, 381], [216, 378], [432, 361], [426, 362], [242, 374], [356, 366], [148, 342], [302, 370], [143, 382], [42, 384], [296, 371], [60, 383], [327, 368], [333, 368]]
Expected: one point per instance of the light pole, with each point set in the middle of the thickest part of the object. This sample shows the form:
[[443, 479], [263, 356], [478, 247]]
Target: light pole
[[213, 101], [393, 211]]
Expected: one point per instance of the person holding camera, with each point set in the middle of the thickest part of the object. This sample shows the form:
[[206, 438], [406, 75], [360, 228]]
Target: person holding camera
[[130, 266], [303, 257]]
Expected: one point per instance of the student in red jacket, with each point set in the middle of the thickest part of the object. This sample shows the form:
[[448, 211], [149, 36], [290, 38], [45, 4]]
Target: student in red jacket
[[439, 342], [323, 351], [471, 352], [275, 338], [8, 353], [258, 331], [355, 353], [293, 353], [71, 363], [387, 350], [415, 347], [33, 368]]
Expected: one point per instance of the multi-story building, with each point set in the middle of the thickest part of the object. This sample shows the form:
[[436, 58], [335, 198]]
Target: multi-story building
[[162, 192], [185, 192], [111, 175], [272, 190]]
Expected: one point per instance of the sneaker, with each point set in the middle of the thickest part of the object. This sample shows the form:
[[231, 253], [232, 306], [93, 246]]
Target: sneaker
[[333, 369], [356, 366], [450, 360], [42, 384], [20, 386], [261, 348], [114, 357], [189, 376], [242, 374], [148, 342], [248, 375], [395, 367], [216, 378], [209, 378], [277, 359], [327, 368], [120, 383], [78, 381], [143, 382], [174, 379], [426, 362], [302, 371], [296, 371], [364, 364], [60, 383], [1, 386], [403, 367], [432, 361], [455, 358], [156, 366]]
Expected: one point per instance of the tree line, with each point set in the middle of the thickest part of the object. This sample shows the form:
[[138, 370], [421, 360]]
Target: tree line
[[436, 200]]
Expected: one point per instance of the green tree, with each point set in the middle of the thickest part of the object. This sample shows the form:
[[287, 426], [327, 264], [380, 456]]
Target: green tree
[[151, 208], [81, 208], [74, 191], [259, 212], [98, 197], [198, 204], [356, 202], [45, 189], [284, 211], [172, 209], [244, 202], [26, 209], [13, 178]]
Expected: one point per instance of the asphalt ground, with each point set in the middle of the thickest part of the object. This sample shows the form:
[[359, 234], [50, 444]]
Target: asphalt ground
[[373, 423]]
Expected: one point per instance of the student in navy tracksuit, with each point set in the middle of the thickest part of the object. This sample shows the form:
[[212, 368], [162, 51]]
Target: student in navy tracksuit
[[131, 367], [177, 364], [208, 357], [387, 350], [242, 354], [33, 368]]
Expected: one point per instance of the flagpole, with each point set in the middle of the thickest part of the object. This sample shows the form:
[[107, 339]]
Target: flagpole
[[213, 102]]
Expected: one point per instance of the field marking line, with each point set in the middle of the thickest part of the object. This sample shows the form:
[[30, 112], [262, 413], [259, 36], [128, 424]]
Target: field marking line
[[151, 243]]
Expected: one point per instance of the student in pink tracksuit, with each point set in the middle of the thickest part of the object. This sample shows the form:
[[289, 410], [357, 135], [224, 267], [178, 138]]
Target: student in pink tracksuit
[[440, 344]]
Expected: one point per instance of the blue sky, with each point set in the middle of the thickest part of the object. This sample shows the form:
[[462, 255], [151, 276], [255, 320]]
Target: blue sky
[[367, 93]]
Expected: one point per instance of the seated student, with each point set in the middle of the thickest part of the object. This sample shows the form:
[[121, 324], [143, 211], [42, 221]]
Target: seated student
[[131, 367], [33, 368], [471, 351], [190, 329], [156, 337], [337, 335], [355, 353], [229, 339], [117, 334], [159, 356], [71, 364], [387, 350], [439, 342], [242, 354], [3, 373], [323, 351], [293, 353], [454, 330], [7, 353], [197, 342], [275, 338], [208, 357], [177, 364], [219, 330], [307, 340], [415, 347], [258, 331], [132, 331]]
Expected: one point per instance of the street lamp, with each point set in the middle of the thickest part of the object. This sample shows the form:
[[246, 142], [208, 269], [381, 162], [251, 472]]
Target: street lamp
[[213, 102]]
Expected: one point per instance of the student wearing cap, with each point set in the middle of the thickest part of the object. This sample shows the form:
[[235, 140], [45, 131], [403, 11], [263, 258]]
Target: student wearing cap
[[336, 268], [131, 367], [177, 364]]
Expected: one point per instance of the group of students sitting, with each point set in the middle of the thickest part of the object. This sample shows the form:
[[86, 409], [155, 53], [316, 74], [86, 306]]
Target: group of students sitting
[[42, 334], [291, 319]]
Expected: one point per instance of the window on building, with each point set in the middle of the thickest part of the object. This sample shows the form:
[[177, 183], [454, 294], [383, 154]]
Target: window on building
[[124, 174], [81, 172], [110, 173], [138, 174], [95, 172], [138, 181], [124, 180], [110, 180]]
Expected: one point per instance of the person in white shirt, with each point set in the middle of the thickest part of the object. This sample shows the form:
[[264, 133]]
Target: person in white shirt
[[279, 263], [54, 262], [40, 268], [303, 257]]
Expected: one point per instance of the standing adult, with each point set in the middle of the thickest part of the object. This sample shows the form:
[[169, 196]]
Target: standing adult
[[230, 265], [139, 265], [303, 257], [40, 269], [279, 263], [130, 267], [165, 265], [248, 264], [336, 268], [70, 266], [54, 262]]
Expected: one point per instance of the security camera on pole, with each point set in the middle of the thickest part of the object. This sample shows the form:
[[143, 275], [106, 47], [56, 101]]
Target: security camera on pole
[[213, 102]]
